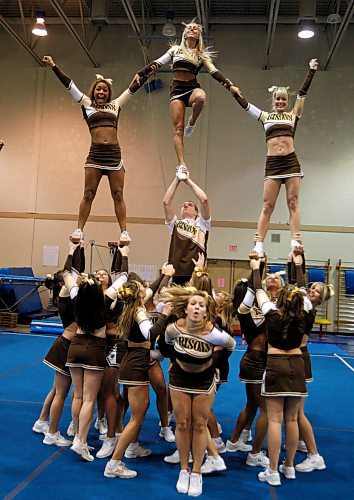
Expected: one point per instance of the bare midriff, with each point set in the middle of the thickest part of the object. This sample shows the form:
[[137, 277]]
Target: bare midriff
[[280, 146]]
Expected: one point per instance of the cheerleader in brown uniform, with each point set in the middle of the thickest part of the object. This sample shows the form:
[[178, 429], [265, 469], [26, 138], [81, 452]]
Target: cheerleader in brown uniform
[[282, 166], [317, 294], [192, 377], [284, 380], [135, 326]]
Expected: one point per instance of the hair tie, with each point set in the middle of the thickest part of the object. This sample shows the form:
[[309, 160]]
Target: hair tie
[[108, 80]]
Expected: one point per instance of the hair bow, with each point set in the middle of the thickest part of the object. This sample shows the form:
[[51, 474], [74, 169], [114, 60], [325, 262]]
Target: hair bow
[[201, 272], [108, 80], [295, 291], [124, 292], [85, 279], [274, 88]]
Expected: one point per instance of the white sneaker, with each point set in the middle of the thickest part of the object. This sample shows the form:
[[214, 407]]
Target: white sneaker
[[195, 485], [124, 238], [301, 446], [167, 434], [238, 446], [267, 476], [219, 427], [182, 484], [56, 439], [107, 448], [174, 458], [101, 425], [41, 426], [219, 444], [188, 129], [257, 460], [289, 472], [71, 429], [312, 462], [77, 236], [116, 468], [213, 464], [246, 436], [134, 450], [181, 175], [82, 449]]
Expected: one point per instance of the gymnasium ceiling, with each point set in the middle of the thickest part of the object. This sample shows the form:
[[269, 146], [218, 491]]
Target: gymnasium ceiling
[[85, 18]]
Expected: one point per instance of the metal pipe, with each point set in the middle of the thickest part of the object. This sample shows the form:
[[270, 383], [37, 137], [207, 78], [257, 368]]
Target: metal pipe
[[20, 41]]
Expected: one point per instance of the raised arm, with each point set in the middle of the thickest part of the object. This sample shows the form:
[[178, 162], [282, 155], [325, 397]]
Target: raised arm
[[200, 194], [300, 99], [167, 200], [65, 80], [144, 73]]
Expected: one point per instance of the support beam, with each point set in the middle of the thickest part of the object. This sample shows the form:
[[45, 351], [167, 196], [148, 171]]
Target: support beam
[[202, 12], [340, 32], [20, 41], [135, 26], [57, 6], [272, 23]]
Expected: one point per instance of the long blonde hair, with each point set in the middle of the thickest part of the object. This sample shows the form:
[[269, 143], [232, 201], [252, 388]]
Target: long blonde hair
[[203, 52], [179, 297], [129, 295]]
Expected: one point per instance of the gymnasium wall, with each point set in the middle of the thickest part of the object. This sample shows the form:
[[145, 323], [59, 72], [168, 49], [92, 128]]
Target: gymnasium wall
[[46, 143]]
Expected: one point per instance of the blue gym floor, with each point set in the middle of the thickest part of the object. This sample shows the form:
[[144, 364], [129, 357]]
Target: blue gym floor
[[32, 470]]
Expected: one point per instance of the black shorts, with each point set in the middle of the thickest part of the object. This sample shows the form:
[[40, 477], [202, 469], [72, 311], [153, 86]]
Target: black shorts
[[192, 383], [134, 367], [57, 356], [307, 364], [87, 351], [252, 366], [182, 90], [284, 376], [283, 167]]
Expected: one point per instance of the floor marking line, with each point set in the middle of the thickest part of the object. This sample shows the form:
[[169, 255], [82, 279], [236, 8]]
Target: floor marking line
[[343, 361], [33, 475], [21, 367]]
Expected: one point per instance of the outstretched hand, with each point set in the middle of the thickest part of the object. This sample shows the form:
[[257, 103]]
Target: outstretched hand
[[49, 60], [235, 90], [313, 64], [200, 262]]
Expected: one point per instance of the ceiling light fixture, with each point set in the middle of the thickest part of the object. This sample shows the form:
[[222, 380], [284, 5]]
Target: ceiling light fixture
[[169, 29], [39, 28], [307, 27]]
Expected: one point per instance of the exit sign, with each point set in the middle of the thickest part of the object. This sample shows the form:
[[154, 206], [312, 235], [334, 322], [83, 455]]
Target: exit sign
[[232, 248]]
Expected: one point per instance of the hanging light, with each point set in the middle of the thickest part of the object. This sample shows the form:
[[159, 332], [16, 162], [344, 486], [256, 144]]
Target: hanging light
[[169, 29], [39, 28], [307, 27]]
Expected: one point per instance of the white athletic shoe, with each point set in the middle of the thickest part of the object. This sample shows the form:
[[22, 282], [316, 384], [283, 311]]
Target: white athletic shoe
[[267, 476], [246, 436], [219, 427], [116, 468], [71, 429], [134, 450], [124, 238], [41, 426], [107, 448], [219, 444], [83, 450], [258, 459], [289, 472], [181, 175], [301, 446], [167, 434], [238, 446], [77, 236], [195, 485], [188, 129], [311, 463], [101, 425], [56, 439], [213, 464], [182, 484], [174, 458]]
